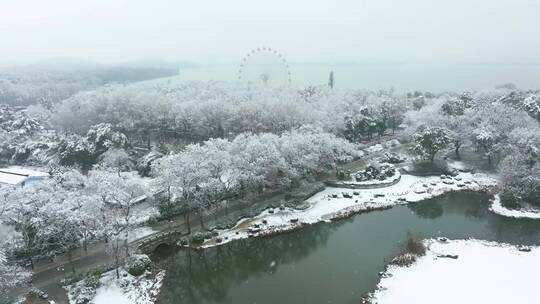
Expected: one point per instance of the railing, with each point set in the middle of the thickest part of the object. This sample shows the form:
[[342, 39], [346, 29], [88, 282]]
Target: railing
[[151, 242]]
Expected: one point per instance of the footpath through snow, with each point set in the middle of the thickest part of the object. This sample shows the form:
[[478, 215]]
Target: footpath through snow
[[484, 272], [334, 203]]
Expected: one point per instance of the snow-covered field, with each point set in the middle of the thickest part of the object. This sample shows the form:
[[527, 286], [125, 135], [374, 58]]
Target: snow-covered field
[[498, 208], [484, 272], [333, 203]]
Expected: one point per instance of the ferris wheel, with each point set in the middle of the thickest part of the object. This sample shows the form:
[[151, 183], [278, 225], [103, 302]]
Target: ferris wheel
[[265, 66]]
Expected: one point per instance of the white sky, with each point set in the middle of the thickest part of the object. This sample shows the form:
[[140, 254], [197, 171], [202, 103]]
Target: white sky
[[427, 31]]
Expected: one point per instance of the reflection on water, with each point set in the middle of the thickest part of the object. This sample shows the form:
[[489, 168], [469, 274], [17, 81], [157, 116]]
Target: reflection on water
[[428, 210], [328, 263], [206, 276]]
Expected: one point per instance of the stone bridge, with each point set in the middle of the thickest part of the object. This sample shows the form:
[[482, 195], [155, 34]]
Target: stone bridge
[[149, 244]]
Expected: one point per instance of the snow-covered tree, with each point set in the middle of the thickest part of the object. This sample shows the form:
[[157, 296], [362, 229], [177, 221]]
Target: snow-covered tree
[[428, 141], [520, 169], [11, 276], [47, 224], [119, 194], [75, 149], [532, 105], [198, 111], [116, 160], [85, 151], [203, 175], [491, 123], [103, 137], [180, 175]]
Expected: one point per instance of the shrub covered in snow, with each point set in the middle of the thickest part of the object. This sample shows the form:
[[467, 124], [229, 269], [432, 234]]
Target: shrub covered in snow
[[412, 248], [392, 158], [375, 172], [404, 259], [85, 292], [138, 264], [197, 238]]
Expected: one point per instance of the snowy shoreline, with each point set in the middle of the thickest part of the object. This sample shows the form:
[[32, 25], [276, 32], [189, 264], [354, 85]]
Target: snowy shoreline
[[498, 208], [335, 203], [474, 276], [126, 290]]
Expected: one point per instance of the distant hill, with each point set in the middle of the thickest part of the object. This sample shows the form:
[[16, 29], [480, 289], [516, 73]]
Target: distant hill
[[52, 80]]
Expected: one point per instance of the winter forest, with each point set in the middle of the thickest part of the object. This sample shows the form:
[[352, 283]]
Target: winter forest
[[182, 181], [189, 148]]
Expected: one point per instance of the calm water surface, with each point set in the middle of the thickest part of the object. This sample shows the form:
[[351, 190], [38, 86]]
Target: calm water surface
[[403, 78], [328, 262]]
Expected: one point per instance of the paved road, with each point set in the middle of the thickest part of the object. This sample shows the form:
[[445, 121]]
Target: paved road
[[48, 275]]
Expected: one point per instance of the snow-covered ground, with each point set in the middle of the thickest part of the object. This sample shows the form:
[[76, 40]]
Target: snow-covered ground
[[333, 203], [497, 207], [484, 272], [126, 290]]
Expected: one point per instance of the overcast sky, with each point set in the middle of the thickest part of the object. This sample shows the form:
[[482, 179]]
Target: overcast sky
[[411, 31]]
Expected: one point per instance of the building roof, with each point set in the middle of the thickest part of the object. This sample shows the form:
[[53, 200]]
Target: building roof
[[11, 179], [15, 175]]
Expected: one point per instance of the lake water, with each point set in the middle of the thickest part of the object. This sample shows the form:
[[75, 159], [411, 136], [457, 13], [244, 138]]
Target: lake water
[[403, 77], [328, 262]]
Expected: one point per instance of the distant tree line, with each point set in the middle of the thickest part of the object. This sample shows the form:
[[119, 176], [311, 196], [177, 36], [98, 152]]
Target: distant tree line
[[26, 86]]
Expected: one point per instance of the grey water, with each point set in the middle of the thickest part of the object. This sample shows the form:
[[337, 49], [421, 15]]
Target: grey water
[[328, 262], [400, 77]]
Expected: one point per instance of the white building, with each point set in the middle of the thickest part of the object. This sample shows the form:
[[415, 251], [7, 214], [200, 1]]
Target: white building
[[20, 177]]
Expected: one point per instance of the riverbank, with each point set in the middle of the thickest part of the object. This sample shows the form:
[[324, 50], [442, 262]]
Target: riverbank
[[382, 198], [128, 289], [336, 203], [463, 271], [337, 262], [48, 273], [497, 207]]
